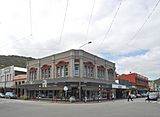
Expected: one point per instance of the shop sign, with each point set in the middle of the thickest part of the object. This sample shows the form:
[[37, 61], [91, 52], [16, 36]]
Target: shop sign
[[117, 86]]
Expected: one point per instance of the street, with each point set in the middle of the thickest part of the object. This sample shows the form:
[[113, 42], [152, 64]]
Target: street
[[118, 108]]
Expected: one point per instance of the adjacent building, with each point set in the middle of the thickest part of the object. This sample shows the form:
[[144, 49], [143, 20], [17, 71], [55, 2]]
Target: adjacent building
[[7, 77], [139, 82], [71, 73], [18, 81]]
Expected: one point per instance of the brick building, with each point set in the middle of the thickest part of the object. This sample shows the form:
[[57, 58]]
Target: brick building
[[139, 82]]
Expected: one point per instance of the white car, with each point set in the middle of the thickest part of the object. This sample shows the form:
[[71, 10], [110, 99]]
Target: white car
[[133, 95], [10, 95], [153, 96], [2, 96]]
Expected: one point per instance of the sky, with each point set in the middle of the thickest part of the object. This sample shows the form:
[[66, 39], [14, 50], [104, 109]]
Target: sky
[[126, 32]]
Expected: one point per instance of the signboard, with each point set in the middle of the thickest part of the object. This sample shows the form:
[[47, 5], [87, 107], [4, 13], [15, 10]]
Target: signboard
[[44, 83], [118, 86]]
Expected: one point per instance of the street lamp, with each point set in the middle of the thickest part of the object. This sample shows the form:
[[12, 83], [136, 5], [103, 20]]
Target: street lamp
[[85, 44]]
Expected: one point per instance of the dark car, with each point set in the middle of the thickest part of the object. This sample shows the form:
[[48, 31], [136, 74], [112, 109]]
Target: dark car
[[10, 95]]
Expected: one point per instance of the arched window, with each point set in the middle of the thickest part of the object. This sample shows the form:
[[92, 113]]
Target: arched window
[[32, 73], [62, 69], [46, 71], [88, 69]]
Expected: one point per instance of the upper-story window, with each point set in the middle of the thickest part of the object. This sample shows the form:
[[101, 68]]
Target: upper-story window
[[32, 74], [101, 71], [76, 67], [62, 69], [110, 74], [46, 71], [88, 69]]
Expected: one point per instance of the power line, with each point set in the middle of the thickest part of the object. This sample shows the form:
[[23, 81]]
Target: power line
[[16, 40], [64, 21], [107, 31], [30, 18], [90, 18], [150, 14]]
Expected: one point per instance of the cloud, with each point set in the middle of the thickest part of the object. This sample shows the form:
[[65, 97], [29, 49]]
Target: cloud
[[136, 55], [147, 64]]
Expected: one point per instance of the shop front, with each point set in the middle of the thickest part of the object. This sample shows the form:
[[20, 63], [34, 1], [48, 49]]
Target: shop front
[[120, 90]]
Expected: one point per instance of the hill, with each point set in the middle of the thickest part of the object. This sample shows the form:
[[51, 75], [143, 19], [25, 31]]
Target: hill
[[157, 81], [18, 61]]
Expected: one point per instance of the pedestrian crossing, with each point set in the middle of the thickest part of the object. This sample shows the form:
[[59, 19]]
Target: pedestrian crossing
[[15, 101], [9, 101]]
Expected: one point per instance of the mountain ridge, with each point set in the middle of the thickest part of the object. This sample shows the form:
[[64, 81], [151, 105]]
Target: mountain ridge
[[18, 61]]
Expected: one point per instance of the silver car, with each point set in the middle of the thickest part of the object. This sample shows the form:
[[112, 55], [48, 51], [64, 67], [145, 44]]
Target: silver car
[[153, 96]]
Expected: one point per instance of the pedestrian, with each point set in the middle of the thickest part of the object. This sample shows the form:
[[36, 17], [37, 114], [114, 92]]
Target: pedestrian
[[129, 96], [147, 98], [113, 96]]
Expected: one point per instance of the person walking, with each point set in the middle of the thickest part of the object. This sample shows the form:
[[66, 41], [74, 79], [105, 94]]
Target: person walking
[[147, 99], [113, 96], [129, 96]]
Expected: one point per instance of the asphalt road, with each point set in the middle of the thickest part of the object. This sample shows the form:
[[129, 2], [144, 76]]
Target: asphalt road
[[120, 108]]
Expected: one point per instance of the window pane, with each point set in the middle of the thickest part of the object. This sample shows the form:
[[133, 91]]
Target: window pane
[[76, 69]]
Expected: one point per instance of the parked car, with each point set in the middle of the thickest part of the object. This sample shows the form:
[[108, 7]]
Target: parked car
[[144, 94], [72, 99], [2, 95], [10, 95], [153, 96], [138, 95], [133, 95]]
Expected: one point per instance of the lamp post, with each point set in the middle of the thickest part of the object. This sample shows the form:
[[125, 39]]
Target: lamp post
[[85, 44]]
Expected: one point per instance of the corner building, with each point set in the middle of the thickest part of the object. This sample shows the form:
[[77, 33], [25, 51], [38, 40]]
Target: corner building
[[84, 75]]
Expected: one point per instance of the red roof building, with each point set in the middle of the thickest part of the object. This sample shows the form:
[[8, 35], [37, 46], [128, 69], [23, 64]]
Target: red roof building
[[137, 80]]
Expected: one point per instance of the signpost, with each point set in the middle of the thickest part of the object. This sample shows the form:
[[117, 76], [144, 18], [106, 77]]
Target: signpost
[[65, 89]]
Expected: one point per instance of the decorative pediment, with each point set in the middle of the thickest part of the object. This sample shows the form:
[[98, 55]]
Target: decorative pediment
[[89, 63], [61, 63], [33, 69], [110, 70], [77, 60], [100, 67], [45, 66]]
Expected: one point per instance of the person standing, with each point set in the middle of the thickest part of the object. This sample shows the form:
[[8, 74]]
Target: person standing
[[129, 96], [113, 96]]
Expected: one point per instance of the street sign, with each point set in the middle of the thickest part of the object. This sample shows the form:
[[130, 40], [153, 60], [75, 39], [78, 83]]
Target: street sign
[[65, 88]]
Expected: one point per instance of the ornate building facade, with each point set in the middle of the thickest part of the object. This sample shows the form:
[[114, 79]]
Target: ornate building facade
[[84, 75]]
